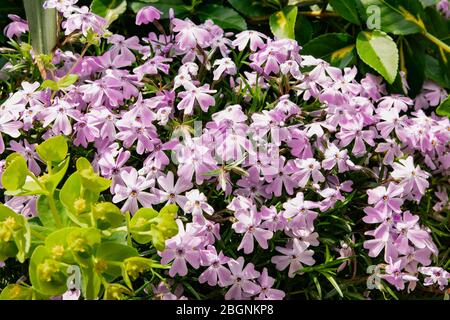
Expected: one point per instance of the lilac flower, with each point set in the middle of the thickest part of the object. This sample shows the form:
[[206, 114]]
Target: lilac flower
[[382, 197], [102, 90], [196, 204], [307, 168], [181, 249], [333, 157], [28, 151], [130, 131], [112, 165], [382, 240], [85, 131], [152, 66], [147, 14], [241, 282], [267, 292], [171, 192], [249, 224], [294, 257], [190, 35], [225, 65], [412, 179], [396, 102], [254, 37], [299, 209], [16, 27], [283, 178], [121, 47], [435, 275], [10, 127], [132, 191], [409, 230], [395, 276], [216, 273], [201, 95], [353, 130], [82, 19]]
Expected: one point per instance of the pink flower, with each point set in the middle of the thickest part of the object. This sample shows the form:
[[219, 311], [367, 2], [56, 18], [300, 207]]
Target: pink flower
[[216, 273], [132, 191], [435, 275], [201, 95], [306, 169], [294, 257], [147, 14], [382, 197], [334, 156], [299, 209], [267, 292], [395, 276], [82, 19], [353, 130], [181, 249], [254, 37], [196, 204], [249, 223], [171, 192], [224, 66], [241, 282], [8, 126], [16, 27], [189, 34], [29, 153], [412, 179]]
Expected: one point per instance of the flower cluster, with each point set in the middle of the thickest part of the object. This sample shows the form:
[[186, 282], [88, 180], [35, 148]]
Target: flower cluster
[[197, 114]]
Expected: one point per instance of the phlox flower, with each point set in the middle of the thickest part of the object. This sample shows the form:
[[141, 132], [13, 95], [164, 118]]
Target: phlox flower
[[171, 192], [82, 19], [249, 224], [8, 126], [28, 151], [193, 94], [189, 35], [58, 114], [254, 37], [16, 27], [147, 14], [266, 283], [353, 131], [242, 285], [412, 179], [181, 249], [216, 273], [389, 197], [435, 275], [395, 276], [300, 210], [307, 169], [293, 257], [224, 66], [132, 191], [196, 204]]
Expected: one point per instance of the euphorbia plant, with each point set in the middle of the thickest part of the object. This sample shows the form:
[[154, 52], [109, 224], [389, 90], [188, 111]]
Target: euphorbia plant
[[77, 241]]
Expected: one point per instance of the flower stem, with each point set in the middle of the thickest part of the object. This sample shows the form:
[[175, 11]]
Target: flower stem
[[441, 44], [52, 205]]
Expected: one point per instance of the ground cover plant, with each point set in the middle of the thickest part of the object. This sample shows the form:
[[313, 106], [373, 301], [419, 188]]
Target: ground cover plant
[[225, 150]]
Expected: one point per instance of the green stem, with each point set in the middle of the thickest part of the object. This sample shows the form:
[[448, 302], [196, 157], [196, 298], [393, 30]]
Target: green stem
[[52, 205], [37, 235], [437, 41]]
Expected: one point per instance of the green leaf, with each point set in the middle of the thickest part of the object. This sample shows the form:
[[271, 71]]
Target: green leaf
[[333, 283], [57, 244], [50, 84], [47, 275], [348, 9], [16, 172], [45, 214], [110, 256], [428, 3], [412, 62], [42, 24], [437, 71], [336, 48], [380, 52], [444, 108], [140, 225], [109, 9], [282, 23], [51, 180], [179, 7], [91, 284], [224, 17], [250, 8], [132, 267], [16, 235], [392, 18], [303, 30], [83, 243], [67, 80], [53, 149], [77, 202], [16, 292], [89, 179], [107, 215]]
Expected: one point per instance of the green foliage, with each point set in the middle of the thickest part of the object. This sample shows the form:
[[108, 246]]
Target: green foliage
[[282, 23], [444, 108], [379, 51], [75, 230], [224, 17], [109, 9]]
